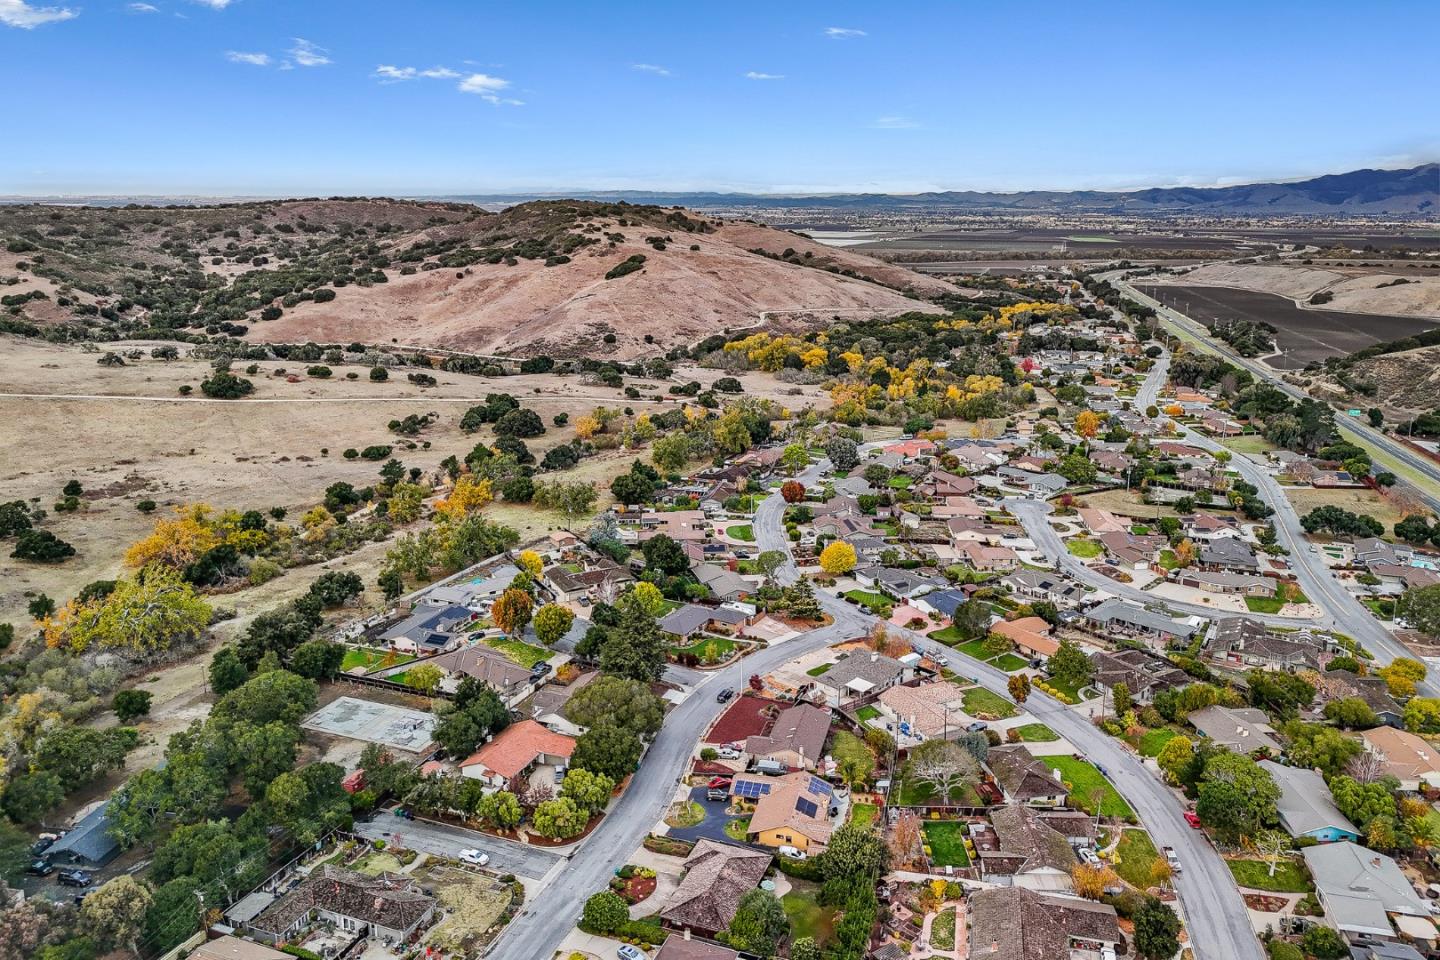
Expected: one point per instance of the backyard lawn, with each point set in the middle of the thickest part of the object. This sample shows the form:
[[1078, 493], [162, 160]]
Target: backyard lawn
[[1084, 549], [946, 840], [874, 602], [863, 813], [1290, 876], [1069, 689], [1036, 733], [1153, 741], [979, 701], [807, 917], [1168, 560], [743, 531], [900, 482], [1084, 781], [867, 713], [908, 792], [371, 657], [1135, 857], [525, 654]]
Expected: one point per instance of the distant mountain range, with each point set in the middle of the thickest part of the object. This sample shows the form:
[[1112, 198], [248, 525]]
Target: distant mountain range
[[1412, 192]]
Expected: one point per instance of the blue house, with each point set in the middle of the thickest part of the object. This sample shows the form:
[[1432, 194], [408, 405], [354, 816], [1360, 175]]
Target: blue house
[[1306, 807], [88, 844]]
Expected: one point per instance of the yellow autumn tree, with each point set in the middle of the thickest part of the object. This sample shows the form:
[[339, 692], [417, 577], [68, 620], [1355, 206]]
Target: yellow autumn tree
[[175, 543], [586, 427], [146, 614], [1087, 424], [838, 557], [530, 562], [468, 495]]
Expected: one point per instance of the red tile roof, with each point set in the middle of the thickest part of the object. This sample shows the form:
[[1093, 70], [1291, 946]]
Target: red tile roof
[[517, 747]]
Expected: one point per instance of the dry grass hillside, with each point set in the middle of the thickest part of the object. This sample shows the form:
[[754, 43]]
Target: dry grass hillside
[[536, 278]]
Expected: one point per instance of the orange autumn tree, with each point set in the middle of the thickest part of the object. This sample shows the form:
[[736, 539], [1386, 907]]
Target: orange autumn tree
[[175, 543], [468, 495], [511, 611]]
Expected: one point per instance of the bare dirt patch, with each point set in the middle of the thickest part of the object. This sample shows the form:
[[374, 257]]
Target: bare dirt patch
[[1358, 500]]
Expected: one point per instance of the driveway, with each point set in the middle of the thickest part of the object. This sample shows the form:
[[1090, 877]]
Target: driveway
[[442, 839], [712, 827]]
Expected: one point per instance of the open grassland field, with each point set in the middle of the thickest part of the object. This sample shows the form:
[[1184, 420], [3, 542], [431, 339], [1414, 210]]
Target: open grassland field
[[1081, 242], [1303, 335], [1359, 500], [1352, 288]]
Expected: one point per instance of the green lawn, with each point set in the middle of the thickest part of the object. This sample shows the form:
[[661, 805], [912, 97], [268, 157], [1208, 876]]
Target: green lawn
[[1135, 856], [1264, 604], [1290, 875], [942, 930], [807, 917], [874, 602], [1010, 663], [1069, 689], [867, 713], [1168, 560], [978, 700], [816, 671], [735, 829], [1084, 780], [743, 531], [1153, 741], [709, 649], [1036, 733], [946, 840], [370, 658], [525, 654], [1084, 549], [907, 792], [901, 482], [863, 813]]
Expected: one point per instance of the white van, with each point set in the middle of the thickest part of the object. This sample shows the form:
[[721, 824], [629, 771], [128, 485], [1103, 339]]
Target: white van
[[794, 853]]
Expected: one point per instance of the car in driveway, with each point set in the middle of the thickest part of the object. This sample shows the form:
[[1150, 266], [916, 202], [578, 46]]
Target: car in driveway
[[978, 726], [74, 878], [475, 857], [40, 868], [630, 952]]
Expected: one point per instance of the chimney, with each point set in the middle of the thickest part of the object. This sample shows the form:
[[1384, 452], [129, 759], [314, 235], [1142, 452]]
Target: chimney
[[875, 658], [994, 946], [687, 933]]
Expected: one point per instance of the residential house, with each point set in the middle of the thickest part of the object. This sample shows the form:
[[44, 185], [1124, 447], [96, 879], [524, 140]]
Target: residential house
[[1008, 923], [515, 752], [897, 583], [1099, 521], [1133, 552], [911, 449], [390, 906], [429, 629], [947, 508], [475, 594], [88, 843], [1228, 554], [604, 577], [1129, 619], [688, 621], [1342, 684], [1397, 578], [1204, 527], [980, 557], [1110, 461], [1041, 484], [1023, 779], [1241, 643], [1241, 730], [1031, 853], [234, 948], [944, 602], [923, 711], [723, 584], [547, 706], [1403, 755], [1031, 636], [1040, 585], [1143, 673], [1362, 890], [1371, 550], [860, 676], [684, 947], [1306, 807], [716, 876], [944, 484], [797, 739], [507, 678], [968, 530], [794, 812], [1226, 582]]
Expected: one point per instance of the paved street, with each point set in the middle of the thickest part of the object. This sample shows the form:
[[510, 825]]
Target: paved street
[[446, 840]]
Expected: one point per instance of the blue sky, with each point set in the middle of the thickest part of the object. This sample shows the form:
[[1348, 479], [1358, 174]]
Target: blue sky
[[276, 97]]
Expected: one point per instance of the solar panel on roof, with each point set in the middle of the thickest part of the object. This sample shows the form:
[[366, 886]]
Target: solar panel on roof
[[807, 807], [819, 787], [751, 789]]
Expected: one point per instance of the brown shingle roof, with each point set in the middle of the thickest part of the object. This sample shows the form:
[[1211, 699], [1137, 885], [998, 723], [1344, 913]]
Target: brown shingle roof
[[1022, 776], [1013, 923], [1023, 835], [802, 729], [780, 808], [390, 900], [717, 875]]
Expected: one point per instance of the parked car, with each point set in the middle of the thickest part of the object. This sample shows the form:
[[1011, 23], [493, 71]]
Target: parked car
[[794, 853], [1192, 818], [717, 794], [1089, 857], [630, 952], [720, 783], [978, 726], [1173, 859], [560, 774], [728, 753], [475, 857], [724, 695], [74, 878], [44, 842], [40, 868]]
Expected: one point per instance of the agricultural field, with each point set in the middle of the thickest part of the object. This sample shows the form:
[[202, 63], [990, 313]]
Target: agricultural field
[[1302, 335]]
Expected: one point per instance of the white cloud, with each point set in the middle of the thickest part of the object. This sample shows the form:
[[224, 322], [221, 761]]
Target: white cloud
[[142, 8], [488, 88], [214, 4], [253, 59], [307, 54], [844, 33], [756, 75], [19, 13], [386, 73], [650, 68], [895, 123]]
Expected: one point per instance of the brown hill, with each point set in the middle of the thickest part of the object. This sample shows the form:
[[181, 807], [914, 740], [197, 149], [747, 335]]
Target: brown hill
[[535, 278]]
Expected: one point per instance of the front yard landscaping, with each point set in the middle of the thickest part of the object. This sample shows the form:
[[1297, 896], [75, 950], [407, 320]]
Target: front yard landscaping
[[817, 671], [743, 531], [735, 829], [685, 815], [1010, 662], [708, 649], [1135, 857], [1290, 876], [946, 840], [982, 703], [942, 930], [1086, 783], [877, 603], [867, 713], [1084, 549], [1036, 733], [1151, 742], [525, 654]]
